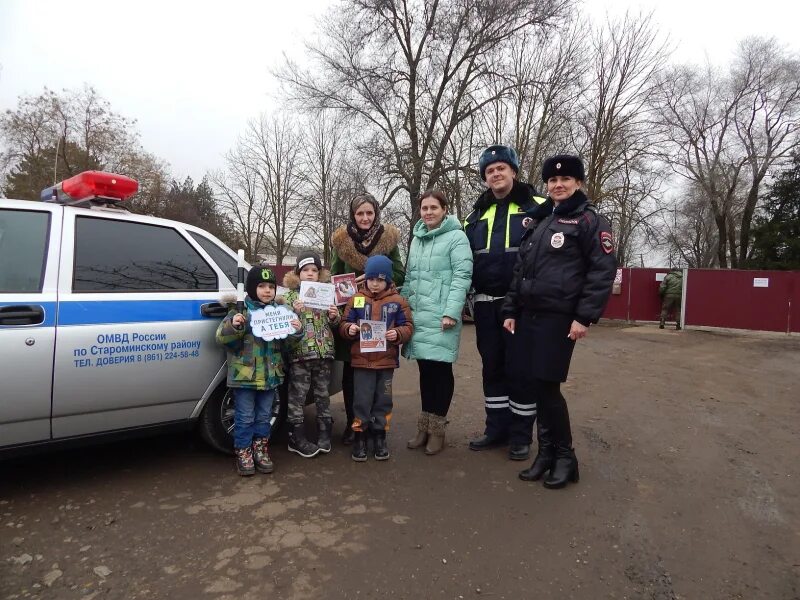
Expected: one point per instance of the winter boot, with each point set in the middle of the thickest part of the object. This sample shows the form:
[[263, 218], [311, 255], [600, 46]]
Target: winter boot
[[298, 442], [244, 462], [419, 440], [435, 435], [380, 450], [545, 456], [677, 326], [661, 324], [359, 451], [324, 427], [261, 457], [565, 468]]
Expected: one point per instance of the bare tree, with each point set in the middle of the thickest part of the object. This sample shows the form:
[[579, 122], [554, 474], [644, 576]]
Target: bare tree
[[616, 120], [328, 177], [697, 110], [633, 205], [411, 71], [767, 118], [728, 130], [548, 74], [242, 200], [691, 232], [260, 187]]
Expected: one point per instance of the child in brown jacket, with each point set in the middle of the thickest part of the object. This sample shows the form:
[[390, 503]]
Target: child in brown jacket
[[373, 371]]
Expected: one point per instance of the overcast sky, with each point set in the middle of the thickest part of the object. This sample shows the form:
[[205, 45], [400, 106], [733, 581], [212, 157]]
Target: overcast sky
[[193, 73]]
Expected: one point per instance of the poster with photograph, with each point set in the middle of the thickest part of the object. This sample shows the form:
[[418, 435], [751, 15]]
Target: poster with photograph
[[372, 336], [272, 322], [314, 294], [345, 287]]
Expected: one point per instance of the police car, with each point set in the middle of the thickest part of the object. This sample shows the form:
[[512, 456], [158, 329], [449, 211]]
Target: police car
[[108, 318]]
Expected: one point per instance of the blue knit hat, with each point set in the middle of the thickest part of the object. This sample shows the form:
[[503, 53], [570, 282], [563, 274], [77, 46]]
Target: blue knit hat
[[495, 154], [379, 267]]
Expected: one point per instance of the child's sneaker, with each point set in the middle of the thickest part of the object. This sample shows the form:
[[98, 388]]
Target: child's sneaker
[[380, 450], [261, 458], [359, 452], [244, 462]]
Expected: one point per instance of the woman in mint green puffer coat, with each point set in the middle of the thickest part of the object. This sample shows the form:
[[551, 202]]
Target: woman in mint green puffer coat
[[438, 275]]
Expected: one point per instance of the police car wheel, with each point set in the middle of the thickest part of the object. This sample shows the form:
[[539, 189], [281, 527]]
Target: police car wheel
[[216, 420]]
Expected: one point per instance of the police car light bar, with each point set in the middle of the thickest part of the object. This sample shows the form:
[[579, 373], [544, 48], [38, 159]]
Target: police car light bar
[[91, 185]]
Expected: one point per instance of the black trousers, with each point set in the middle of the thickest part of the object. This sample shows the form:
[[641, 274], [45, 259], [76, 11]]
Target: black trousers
[[436, 385], [348, 390], [510, 409]]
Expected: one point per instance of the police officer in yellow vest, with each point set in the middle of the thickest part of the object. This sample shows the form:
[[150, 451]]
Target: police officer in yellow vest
[[494, 229]]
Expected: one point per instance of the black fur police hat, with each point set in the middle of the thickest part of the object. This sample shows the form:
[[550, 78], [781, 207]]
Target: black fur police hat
[[258, 275], [566, 165], [495, 154], [307, 258]]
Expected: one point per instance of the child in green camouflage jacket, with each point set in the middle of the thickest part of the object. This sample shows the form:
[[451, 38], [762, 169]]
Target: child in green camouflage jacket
[[255, 371], [311, 358]]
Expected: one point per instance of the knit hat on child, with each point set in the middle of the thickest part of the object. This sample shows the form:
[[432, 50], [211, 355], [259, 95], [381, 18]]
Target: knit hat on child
[[258, 275], [307, 258], [379, 267]]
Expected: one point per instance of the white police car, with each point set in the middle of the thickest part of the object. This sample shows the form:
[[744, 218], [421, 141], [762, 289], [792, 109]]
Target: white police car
[[107, 319]]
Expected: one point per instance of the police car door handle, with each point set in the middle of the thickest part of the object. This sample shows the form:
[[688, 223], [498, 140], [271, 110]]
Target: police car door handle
[[21, 315], [213, 309]]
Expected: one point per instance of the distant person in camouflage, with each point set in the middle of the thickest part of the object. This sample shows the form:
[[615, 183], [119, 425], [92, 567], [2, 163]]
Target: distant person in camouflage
[[671, 292]]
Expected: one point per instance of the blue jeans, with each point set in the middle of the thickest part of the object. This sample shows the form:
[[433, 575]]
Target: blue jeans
[[252, 413]]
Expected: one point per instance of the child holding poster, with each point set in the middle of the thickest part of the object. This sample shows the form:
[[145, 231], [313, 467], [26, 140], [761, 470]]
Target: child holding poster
[[310, 357], [255, 371], [374, 360]]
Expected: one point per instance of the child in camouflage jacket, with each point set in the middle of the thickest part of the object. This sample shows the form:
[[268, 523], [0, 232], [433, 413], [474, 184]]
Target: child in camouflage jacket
[[255, 371], [311, 358]]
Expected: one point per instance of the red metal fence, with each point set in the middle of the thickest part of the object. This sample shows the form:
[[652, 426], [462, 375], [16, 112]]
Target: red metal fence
[[757, 300]]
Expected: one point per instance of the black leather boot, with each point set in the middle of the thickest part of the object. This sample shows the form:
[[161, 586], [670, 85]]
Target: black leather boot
[[519, 451], [359, 451], [565, 468], [485, 442], [545, 455]]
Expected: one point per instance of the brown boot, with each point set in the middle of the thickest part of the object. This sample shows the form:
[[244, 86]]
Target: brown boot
[[435, 435], [422, 431]]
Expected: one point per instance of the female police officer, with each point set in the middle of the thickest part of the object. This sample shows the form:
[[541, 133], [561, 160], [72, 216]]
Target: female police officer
[[562, 281]]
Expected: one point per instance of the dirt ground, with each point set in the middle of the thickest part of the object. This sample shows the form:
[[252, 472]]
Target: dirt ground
[[688, 444]]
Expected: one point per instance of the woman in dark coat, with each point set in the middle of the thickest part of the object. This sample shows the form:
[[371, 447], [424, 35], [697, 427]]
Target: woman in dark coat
[[562, 281], [362, 237]]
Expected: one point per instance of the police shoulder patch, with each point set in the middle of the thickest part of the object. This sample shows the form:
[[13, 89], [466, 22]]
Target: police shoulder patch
[[606, 242]]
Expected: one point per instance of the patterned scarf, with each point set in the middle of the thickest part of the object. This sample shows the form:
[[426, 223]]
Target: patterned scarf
[[365, 240]]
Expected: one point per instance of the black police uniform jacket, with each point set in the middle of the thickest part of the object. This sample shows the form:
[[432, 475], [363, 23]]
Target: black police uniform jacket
[[566, 263], [564, 272], [495, 229]]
